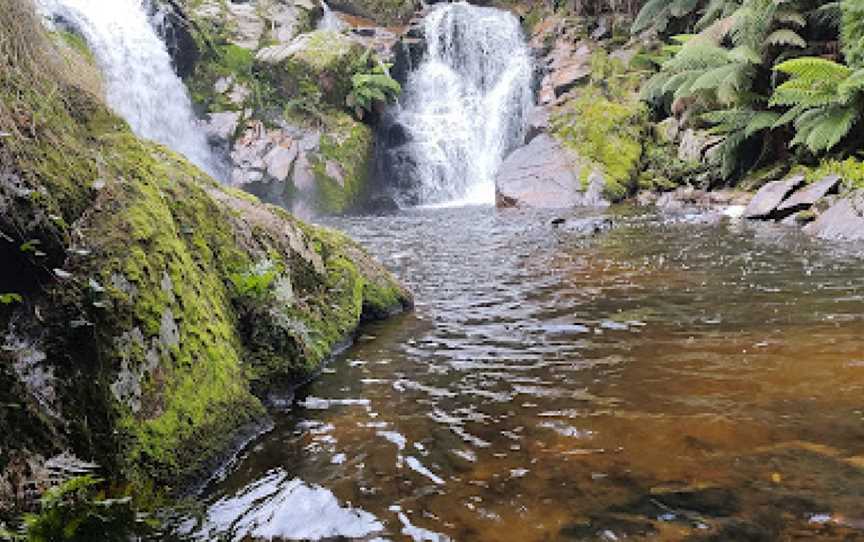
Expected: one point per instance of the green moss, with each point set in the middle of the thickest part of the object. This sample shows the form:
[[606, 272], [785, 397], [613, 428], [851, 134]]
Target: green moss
[[158, 377], [349, 144], [326, 62], [606, 135], [662, 170], [850, 170]]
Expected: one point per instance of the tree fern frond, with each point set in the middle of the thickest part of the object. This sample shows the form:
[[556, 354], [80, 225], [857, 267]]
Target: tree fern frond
[[762, 120], [814, 68], [784, 36], [831, 128], [851, 88], [652, 11], [791, 17]]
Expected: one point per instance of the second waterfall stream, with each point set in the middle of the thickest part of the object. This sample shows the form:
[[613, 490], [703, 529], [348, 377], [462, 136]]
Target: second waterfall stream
[[466, 104]]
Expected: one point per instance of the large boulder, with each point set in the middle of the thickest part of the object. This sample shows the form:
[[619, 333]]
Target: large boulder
[[322, 60], [544, 174], [844, 221], [154, 310], [766, 201]]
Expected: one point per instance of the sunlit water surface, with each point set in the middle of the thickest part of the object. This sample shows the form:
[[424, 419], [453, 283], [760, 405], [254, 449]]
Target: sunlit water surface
[[670, 379]]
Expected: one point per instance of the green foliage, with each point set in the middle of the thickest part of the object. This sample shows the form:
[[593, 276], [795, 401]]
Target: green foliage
[[851, 170], [658, 13], [371, 85], [236, 60], [10, 298], [606, 135], [853, 32], [825, 100], [256, 282], [79, 511]]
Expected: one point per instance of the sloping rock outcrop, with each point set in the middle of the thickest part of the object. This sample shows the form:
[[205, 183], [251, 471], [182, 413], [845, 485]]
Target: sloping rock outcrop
[[147, 310], [771, 196]]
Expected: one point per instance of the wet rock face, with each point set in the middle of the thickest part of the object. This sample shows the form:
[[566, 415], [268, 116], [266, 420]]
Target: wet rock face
[[173, 26]]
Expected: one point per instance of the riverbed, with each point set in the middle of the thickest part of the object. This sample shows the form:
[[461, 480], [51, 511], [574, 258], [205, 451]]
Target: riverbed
[[673, 378]]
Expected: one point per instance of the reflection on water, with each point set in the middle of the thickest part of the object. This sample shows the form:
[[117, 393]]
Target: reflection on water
[[666, 380]]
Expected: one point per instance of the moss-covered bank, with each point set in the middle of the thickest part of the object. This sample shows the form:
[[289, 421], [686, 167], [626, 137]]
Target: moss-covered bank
[[152, 307]]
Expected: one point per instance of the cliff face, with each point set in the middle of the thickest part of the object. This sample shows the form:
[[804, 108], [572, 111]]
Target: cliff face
[[146, 310]]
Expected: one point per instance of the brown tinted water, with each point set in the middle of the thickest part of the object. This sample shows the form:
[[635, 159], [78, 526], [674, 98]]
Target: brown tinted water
[[670, 379]]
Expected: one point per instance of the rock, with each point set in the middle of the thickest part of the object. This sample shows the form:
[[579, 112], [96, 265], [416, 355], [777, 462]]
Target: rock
[[543, 174], [387, 13], [247, 24], [222, 126], [329, 59], [808, 196], [585, 226], [568, 65], [173, 26], [538, 123], [667, 131], [280, 159], [843, 221], [770, 196], [593, 196], [694, 144]]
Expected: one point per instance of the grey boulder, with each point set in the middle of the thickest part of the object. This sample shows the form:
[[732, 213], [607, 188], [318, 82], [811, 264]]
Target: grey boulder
[[844, 221], [770, 196], [543, 174], [808, 196]]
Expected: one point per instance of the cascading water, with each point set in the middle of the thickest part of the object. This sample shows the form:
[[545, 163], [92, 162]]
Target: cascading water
[[329, 20], [141, 85], [464, 107]]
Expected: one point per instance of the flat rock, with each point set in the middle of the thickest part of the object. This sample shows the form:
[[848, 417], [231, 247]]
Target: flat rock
[[543, 174], [770, 196], [807, 197], [844, 221]]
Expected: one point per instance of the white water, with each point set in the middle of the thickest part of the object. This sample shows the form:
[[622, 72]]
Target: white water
[[466, 105], [330, 21], [141, 85]]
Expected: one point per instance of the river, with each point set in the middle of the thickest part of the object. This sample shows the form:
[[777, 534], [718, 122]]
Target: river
[[673, 378]]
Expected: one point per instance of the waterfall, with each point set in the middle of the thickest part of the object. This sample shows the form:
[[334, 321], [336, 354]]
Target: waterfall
[[141, 85], [330, 21], [464, 107]]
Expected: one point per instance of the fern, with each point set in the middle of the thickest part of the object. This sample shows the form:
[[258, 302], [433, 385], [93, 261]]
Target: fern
[[826, 100], [370, 86], [853, 32]]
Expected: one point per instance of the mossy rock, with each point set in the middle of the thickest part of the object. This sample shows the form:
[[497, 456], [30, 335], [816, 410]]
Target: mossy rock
[[131, 303], [344, 162], [383, 12], [320, 61], [606, 135]]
